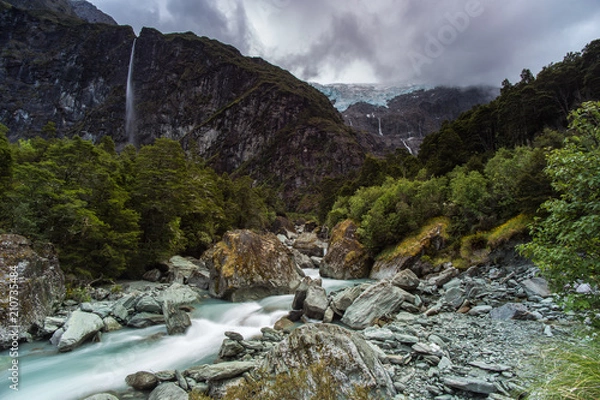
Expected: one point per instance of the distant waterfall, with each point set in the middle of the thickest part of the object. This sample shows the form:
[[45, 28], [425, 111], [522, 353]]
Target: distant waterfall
[[380, 131], [129, 100]]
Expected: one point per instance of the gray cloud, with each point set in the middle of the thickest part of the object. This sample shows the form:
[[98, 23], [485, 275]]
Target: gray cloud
[[395, 41]]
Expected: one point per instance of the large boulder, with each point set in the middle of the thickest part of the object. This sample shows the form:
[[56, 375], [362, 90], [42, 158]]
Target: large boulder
[[407, 253], [316, 302], [80, 327], [309, 243], [248, 266], [346, 257], [34, 278], [178, 294], [181, 269], [333, 353], [379, 300], [176, 320]]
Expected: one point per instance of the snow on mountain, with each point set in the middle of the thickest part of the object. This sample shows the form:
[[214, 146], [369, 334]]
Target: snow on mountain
[[343, 95]]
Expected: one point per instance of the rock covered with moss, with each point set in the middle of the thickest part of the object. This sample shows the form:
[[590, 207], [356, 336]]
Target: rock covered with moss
[[345, 356], [32, 285], [248, 266], [346, 257]]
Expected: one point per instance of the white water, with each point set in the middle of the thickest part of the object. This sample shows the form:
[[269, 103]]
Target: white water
[[129, 100], [45, 374]]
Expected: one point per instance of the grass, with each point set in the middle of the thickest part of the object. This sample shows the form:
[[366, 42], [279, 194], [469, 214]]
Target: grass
[[571, 372]]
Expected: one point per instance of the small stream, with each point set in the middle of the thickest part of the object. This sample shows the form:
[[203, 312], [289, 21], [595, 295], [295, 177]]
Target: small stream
[[45, 374]]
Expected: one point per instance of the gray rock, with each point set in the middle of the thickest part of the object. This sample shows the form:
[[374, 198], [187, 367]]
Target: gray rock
[[51, 324], [148, 304], [316, 302], [80, 327], [144, 320], [111, 324], [120, 313], [230, 348], [512, 311], [168, 391], [376, 333], [406, 279], [152, 275], [490, 367], [470, 385], [302, 260], [537, 287], [221, 371], [177, 321], [248, 266], [234, 335], [346, 257], [342, 300], [377, 301], [480, 310], [308, 243], [178, 294], [180, 269], [41, 284], [346, 356], [102, 396], [200, 278], [142, 380], [454, 296]]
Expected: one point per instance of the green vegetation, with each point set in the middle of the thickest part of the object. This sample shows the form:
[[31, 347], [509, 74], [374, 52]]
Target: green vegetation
[[566, 239], [111, 215], [571, 372]]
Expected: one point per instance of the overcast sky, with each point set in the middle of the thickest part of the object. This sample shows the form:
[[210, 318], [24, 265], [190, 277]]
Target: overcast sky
[[458, 42]]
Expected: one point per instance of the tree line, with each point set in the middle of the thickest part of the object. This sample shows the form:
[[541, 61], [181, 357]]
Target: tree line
[[112, 214]]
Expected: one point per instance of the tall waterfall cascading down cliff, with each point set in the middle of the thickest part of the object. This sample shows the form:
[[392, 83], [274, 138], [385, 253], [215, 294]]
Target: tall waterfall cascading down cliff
[[129, 100]]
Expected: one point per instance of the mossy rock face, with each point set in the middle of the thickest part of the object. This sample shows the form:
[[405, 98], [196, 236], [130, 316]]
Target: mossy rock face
[[332, 355], [41, 284], [248, 266], [408, 252], [346, 257]]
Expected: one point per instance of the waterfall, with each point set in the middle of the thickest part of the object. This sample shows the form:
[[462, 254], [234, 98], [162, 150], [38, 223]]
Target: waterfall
[[380, 131], [129, 100], [407, 147]]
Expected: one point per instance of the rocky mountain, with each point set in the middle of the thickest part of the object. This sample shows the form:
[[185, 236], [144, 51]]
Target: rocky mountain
[[408, 117], [242, 114], [89, 12]]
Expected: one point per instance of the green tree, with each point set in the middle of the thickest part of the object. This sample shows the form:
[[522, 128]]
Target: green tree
[[6, 162], [566, 243], [161, 193]]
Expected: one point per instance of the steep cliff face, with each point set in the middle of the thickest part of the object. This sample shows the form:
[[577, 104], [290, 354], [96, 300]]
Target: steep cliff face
[[61, 69], [242, 114]]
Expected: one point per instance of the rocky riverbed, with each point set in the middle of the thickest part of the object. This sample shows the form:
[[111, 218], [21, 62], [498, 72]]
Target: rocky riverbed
[[446, 334]]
